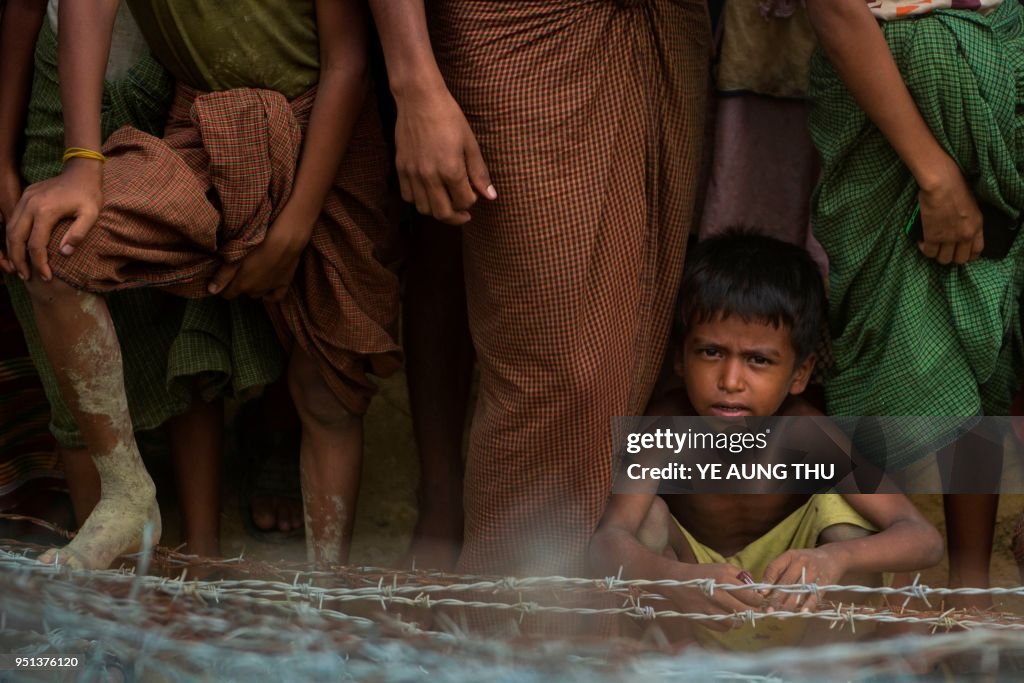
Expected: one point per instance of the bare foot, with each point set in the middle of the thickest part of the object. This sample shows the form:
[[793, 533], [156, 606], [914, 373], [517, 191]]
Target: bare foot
[[432, 553], [436, 541], [276, 513], [117, 523]]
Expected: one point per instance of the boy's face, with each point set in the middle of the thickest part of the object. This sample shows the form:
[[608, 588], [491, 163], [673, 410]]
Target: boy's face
[[734, 368]]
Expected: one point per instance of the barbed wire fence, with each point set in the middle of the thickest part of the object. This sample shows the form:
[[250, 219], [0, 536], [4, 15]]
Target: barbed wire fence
[[256, 621]]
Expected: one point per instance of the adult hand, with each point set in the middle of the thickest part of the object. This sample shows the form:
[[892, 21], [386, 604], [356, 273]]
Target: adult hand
[[268, 270], [76, 193], [721, 601], [814, 565], [10, 193], [440, 168], [950, 216]]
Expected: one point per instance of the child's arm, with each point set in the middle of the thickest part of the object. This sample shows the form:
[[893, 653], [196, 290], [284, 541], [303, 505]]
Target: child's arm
[[614, 545], [84, 46], [439, 164], [855, 45], [906, 542], [20, 21], [340, 97]]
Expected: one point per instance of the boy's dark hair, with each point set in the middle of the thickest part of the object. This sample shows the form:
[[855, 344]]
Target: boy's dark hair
[[757, 278]]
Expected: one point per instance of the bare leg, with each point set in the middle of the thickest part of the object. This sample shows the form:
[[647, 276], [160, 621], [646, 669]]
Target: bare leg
[[196, 449], [439, 367], [331, 458], [660, 534], [970, 516], [970, 526], [83, 481], [276, 415], [80, 341]]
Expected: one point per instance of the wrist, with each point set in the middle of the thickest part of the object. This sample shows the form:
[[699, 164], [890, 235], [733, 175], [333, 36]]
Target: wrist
[[931, 168], [417, 84], [840, 554], [84, 167], [290, 233]]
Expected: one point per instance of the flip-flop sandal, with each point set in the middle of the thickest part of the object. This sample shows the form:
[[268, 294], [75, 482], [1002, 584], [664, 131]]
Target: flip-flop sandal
[[271, 470]]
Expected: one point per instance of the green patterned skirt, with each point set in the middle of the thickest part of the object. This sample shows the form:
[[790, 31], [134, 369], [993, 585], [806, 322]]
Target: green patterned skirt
[[911, 336]]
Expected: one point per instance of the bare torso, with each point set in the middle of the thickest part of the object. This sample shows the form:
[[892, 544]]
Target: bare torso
[[728, 523]]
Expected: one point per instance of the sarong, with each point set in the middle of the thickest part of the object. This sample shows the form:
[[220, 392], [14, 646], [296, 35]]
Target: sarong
[[169, 346], [911, 336], [176, 208], [589, 117]]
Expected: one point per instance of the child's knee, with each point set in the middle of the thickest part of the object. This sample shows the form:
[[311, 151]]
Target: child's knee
[[314, 401], [653, 533], [842, 532]]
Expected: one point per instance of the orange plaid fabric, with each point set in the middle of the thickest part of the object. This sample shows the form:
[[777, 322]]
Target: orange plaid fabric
[[589, 116], [176, 208]]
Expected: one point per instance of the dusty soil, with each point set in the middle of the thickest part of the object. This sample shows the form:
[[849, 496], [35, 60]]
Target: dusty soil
[[387, 511]]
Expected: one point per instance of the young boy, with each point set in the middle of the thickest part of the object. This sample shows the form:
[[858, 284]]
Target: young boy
[[752, 307], [270, 182]]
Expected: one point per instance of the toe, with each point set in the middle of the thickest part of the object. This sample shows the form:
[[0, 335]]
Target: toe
[[262, 510]]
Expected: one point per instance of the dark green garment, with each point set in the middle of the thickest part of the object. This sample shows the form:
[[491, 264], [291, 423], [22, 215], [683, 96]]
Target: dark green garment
[[910, 336], [219, 45], [229, 346]]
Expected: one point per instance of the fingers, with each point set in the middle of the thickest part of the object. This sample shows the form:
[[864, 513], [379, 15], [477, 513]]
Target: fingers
[[17, 235], [462, 195], [775, 569], [431, 196], [420, 197], [945, 254], [929, 249], [77, 232], [978, 245], [441, 205], [963, 252], [448, 189], [223, 277], [5, 263], [479, 177]]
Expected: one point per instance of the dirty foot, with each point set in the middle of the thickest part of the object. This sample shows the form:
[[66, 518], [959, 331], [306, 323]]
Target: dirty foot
[[115, 526]]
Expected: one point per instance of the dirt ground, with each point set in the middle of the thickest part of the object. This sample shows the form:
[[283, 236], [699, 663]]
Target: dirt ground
[[387, 511]]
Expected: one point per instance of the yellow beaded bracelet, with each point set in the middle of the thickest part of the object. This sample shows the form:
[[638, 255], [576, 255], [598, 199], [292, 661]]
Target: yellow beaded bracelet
[[82, 153]]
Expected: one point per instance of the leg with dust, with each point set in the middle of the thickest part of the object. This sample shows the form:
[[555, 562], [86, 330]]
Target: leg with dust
[[79, 338], [331, 460], [196, 449]]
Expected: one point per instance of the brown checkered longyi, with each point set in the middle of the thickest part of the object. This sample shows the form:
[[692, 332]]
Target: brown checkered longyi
[[176, 207], [588, 113]]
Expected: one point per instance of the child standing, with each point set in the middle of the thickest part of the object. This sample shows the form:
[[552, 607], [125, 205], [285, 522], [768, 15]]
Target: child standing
[[178, 359], [246, 194]]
